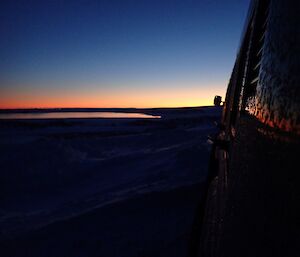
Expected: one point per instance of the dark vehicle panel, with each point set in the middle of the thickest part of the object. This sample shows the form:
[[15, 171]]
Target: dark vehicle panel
[[253, 197]]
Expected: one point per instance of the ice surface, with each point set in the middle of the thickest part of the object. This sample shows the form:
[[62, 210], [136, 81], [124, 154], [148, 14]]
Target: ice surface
[[56, 171]]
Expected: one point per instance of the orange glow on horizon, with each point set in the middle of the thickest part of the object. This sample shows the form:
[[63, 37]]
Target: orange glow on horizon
[[142, 98]]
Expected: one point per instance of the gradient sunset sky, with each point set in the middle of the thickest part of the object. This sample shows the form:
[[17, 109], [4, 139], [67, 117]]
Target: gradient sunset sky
[[109, 53]]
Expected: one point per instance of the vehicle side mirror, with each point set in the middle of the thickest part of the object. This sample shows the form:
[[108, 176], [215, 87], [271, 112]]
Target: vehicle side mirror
[[217, 100]]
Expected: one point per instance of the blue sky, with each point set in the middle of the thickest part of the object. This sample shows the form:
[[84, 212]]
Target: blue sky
[[108, 47]]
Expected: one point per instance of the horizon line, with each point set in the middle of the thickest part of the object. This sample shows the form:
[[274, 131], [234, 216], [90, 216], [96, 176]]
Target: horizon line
[[54, 108]]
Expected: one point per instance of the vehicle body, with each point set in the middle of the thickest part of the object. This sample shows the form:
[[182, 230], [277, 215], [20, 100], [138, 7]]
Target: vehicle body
[[252, 206]]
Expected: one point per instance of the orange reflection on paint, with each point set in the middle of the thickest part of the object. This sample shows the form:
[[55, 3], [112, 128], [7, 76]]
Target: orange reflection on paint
[[275, 119]]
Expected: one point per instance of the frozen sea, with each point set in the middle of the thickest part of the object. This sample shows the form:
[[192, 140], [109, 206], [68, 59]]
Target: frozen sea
[[103, 186]]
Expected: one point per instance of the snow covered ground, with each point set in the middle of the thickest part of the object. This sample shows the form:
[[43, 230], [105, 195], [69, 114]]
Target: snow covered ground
[[103, 187]]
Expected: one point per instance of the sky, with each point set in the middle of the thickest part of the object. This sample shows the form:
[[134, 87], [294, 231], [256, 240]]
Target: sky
[[117, 53]]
